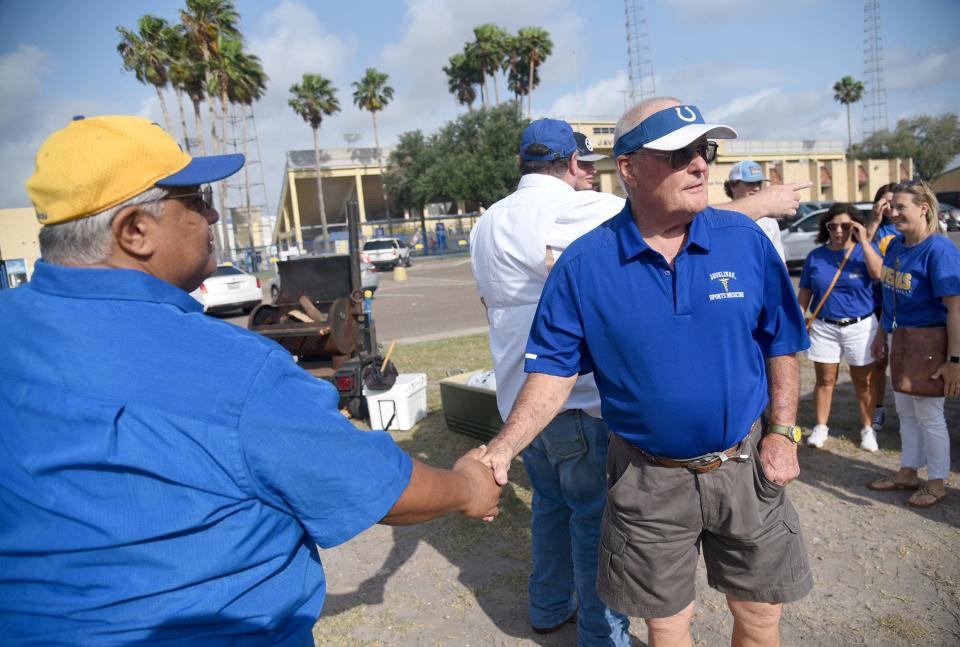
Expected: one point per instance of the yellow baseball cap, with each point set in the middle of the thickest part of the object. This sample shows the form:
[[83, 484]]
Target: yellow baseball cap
[[97, 163]]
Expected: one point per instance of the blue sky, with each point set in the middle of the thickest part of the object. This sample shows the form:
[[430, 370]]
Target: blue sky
[[766, 68]]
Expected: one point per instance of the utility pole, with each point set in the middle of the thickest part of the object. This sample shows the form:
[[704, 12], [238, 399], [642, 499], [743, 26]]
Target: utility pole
[[639, 59], [875, 92]]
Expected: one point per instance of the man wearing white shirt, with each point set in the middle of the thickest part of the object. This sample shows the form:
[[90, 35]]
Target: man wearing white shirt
[[746, 179], [513, 246]]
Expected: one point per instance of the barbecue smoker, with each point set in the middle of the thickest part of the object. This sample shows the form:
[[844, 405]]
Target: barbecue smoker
[[319, 317]]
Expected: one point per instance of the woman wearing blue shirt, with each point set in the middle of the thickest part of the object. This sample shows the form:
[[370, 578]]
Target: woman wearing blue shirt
[[881, 232], [920, 277], [845, 325]]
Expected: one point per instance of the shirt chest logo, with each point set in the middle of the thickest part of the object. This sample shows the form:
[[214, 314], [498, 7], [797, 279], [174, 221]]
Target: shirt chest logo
[[726, 281]]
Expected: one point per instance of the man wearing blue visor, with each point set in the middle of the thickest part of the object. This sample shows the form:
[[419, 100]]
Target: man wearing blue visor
[[688, 320]]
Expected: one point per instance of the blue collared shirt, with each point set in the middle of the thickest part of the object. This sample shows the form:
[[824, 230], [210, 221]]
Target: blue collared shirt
[[165, 476], [678, 354]]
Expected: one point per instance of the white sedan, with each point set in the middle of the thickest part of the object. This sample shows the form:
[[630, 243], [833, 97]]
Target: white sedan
[[800, 238], [229, 289]]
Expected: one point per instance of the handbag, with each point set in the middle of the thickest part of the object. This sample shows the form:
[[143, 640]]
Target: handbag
[[916, 355], [823, 299]]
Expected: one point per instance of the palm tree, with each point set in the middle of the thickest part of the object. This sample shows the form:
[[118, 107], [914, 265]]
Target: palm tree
[[313, 99], [537, 46], [848, 90], [175, 42], [372, 93], [206, 22], [188, 75], [488, 50], [145, 54], [461, 79]]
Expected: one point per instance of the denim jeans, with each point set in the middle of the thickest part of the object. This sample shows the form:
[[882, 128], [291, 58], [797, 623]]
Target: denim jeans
[[567, 467]]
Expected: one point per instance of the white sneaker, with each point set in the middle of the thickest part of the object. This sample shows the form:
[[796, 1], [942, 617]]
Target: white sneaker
[[818, 437], [868, 439]]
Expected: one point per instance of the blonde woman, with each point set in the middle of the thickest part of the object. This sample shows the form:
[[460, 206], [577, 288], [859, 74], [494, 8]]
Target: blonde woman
[[920, 277]]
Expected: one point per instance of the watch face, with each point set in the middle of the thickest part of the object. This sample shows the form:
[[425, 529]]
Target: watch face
[[796, 434]]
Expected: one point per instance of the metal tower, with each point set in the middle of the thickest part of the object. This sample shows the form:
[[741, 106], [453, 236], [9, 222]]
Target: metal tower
[[875, 92], [246, 191], [639, 60]]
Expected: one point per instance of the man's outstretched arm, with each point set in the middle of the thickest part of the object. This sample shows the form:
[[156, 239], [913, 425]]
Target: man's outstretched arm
[[773, 201], [539, 401], [468, 488]]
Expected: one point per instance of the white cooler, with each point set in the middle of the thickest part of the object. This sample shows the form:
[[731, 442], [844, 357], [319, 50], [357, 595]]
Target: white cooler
[[399, 408]]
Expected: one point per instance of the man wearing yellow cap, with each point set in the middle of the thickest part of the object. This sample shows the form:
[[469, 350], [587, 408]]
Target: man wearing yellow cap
[[165, 476]]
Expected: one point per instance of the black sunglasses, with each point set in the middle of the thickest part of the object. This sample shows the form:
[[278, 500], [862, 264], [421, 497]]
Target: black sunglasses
[[681, 157], [202, 199]]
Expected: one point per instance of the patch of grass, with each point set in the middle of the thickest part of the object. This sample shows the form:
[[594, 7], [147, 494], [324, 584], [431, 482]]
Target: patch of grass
[[910, 629]]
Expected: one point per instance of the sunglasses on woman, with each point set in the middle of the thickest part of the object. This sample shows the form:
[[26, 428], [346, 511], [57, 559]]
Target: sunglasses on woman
[[681, 157], [842, 226]]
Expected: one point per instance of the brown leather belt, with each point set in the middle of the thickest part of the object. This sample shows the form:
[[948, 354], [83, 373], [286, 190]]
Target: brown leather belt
[[707, 462]]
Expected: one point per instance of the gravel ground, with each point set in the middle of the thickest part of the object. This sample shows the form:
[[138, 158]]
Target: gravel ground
[[885, 574]]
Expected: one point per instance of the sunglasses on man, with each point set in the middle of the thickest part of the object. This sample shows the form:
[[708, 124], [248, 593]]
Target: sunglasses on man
[[202, 199], [682, 157]]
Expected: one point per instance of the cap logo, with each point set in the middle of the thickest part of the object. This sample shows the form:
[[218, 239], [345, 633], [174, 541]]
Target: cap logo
[[588, 144], [693, 116]]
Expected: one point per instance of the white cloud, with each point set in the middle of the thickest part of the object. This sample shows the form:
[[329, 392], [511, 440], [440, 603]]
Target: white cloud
[[21, 71], [714, 11], [603, 99], [773, 113], [905, 72]]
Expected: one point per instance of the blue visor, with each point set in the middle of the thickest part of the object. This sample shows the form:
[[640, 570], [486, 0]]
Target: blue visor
[[670, 129], [202, 170]]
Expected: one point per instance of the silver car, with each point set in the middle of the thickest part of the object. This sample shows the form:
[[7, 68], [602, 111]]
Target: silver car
[[800, 238]]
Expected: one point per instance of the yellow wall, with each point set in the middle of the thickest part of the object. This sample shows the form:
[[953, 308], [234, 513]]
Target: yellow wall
[[19, 231], [947, 181]]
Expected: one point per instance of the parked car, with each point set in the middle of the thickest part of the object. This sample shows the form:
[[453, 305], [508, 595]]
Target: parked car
[[229, 288], [949, 217], [804, 209], [387, 253], [800, 238], [369, 279]]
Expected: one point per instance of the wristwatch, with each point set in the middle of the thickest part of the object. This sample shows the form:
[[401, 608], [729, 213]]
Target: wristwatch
[[790, 431], [953, 359]]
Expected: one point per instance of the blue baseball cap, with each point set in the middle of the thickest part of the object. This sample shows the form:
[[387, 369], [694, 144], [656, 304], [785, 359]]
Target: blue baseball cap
[[554, 134], [746, 171], [585, 152]]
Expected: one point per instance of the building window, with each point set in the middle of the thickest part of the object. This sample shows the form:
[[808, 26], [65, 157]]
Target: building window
[[605, 130]]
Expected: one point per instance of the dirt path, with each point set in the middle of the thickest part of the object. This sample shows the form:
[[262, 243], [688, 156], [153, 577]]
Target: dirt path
[[885, 574]]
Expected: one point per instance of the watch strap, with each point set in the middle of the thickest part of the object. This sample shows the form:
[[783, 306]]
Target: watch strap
[[953, 359], [790, 431]]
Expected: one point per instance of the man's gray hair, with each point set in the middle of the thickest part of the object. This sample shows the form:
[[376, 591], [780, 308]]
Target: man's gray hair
[[89, 240]]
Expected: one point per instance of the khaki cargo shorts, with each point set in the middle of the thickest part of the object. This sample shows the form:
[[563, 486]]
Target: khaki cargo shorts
[[657, 518]]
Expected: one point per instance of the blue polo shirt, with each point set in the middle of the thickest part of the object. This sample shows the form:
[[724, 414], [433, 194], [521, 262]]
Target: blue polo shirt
[[678, 355], [165, 476], [916, 278], [852, 296]]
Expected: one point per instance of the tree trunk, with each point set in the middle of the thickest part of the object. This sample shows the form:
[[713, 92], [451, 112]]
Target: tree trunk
[[199, 123], [323, 207], [183, 121], [246, 177], [163, 109], [849, 130], [383, 182], [483, 90], [221, 189], [496, 87], [533, 67]]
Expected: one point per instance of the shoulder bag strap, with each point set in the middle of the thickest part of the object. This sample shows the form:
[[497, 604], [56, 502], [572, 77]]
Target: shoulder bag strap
[[826, 294]]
